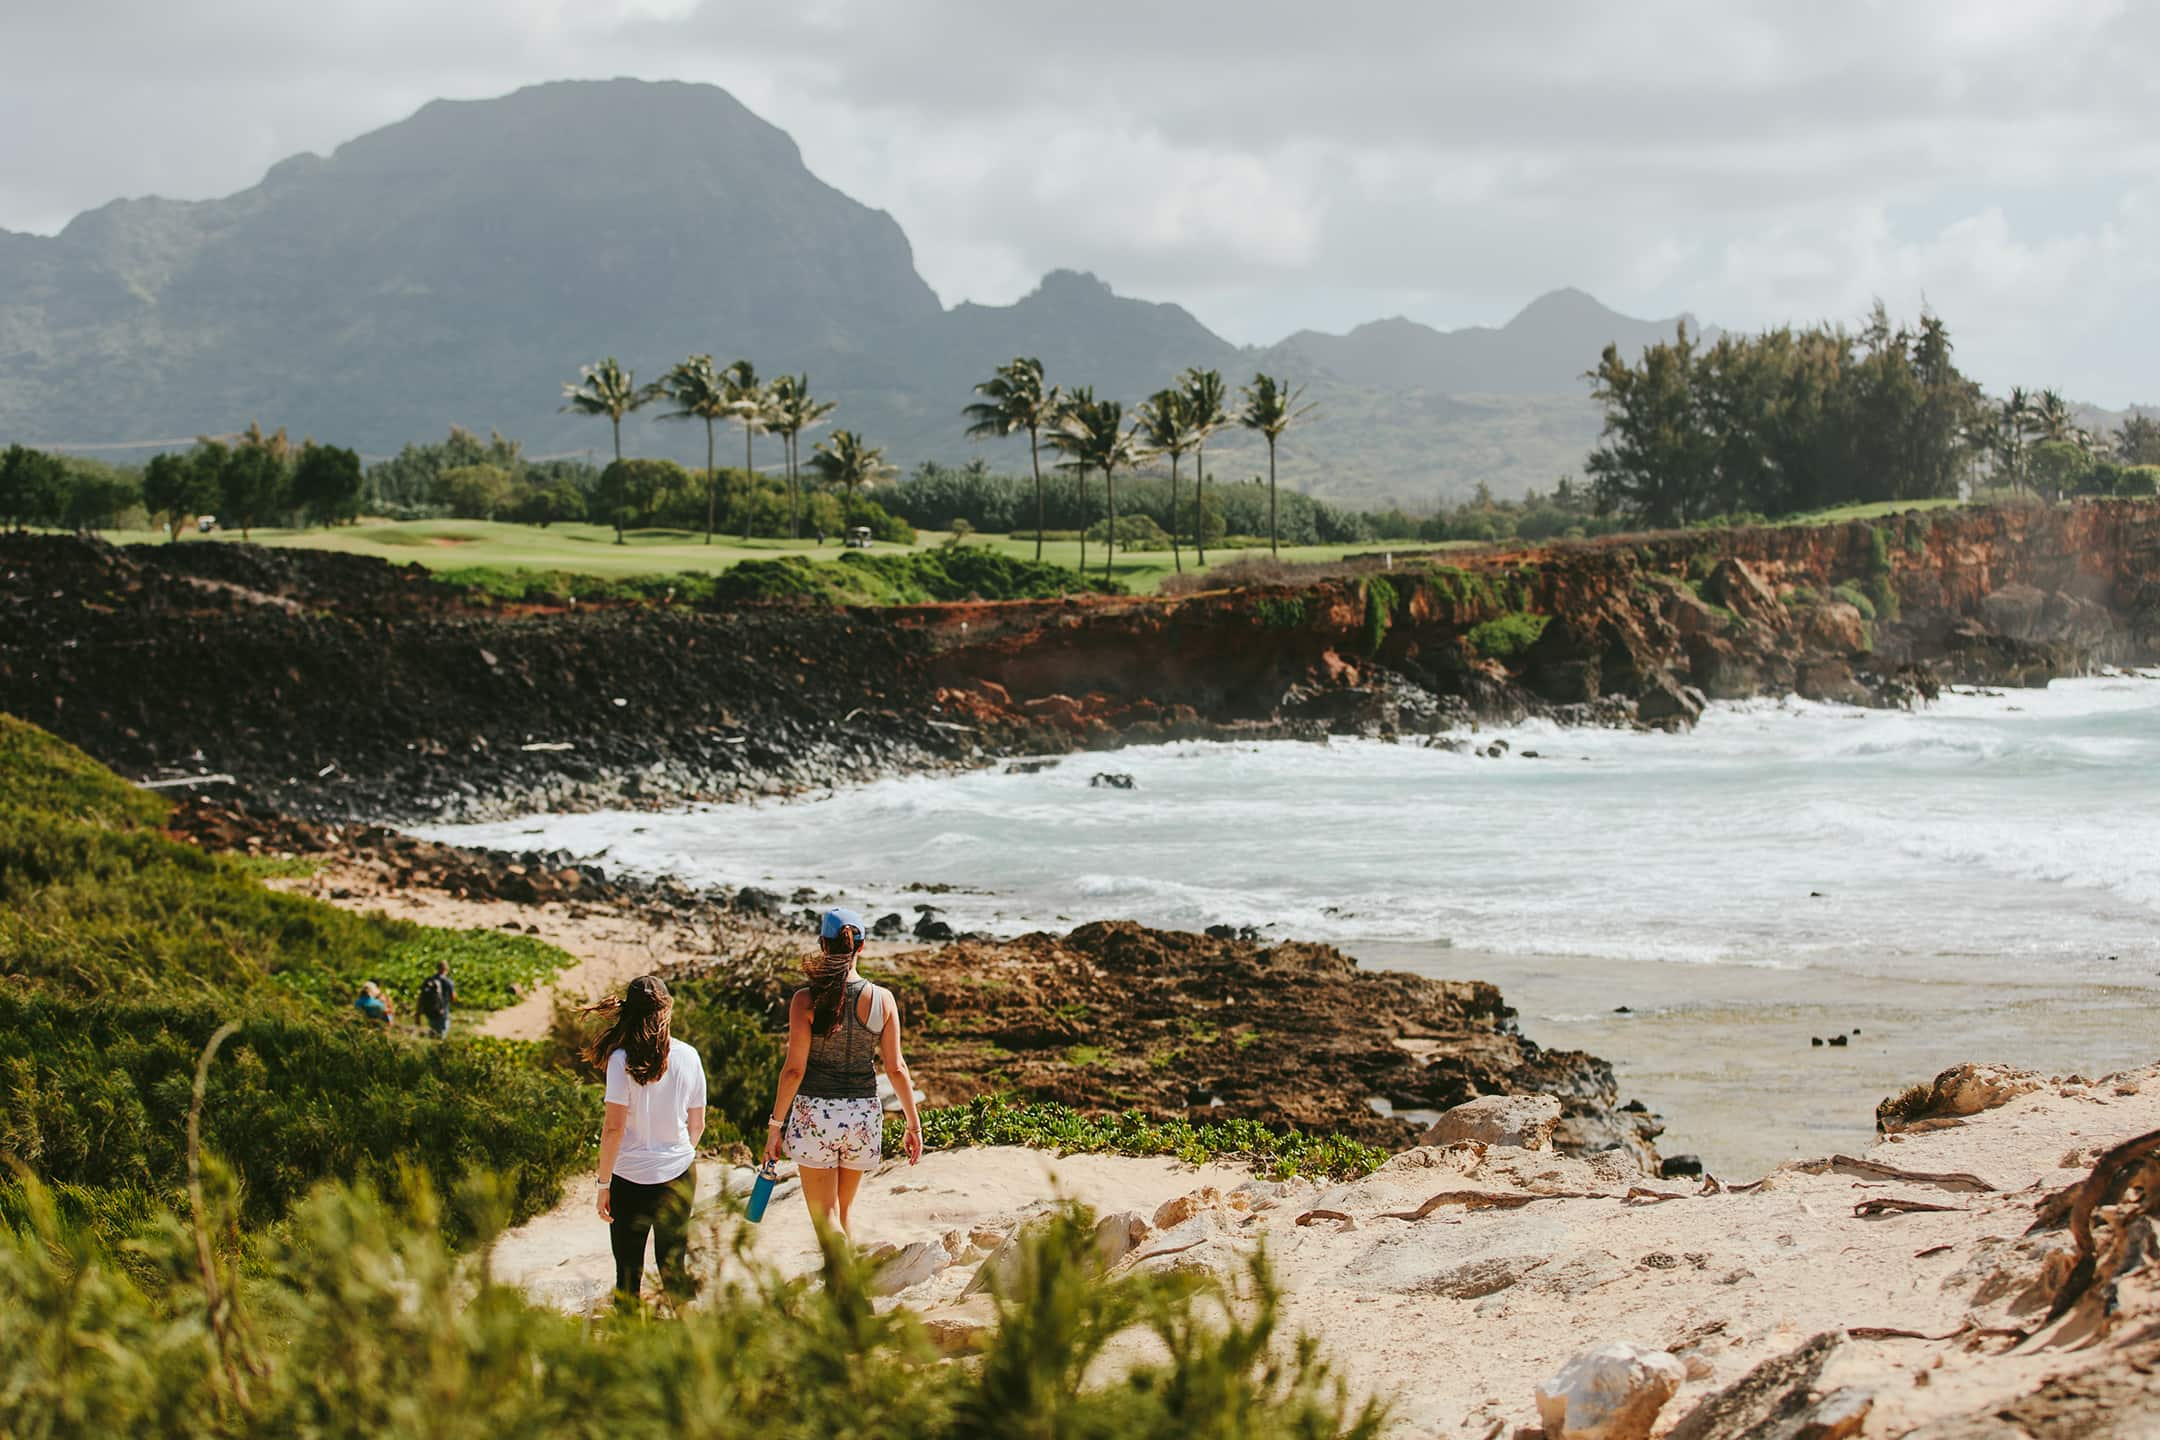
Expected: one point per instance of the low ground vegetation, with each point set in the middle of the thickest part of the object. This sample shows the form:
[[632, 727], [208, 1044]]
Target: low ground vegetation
[[362, 1322], [1281, 1153], [121, 951]]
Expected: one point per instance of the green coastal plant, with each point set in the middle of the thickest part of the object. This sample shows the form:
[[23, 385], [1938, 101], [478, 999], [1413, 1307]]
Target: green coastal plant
[[996, 1120], [1281, 612], [1915, 534], [1852, 595], [1505, 637], [1380, 603], [362, 1323], [122, 950]]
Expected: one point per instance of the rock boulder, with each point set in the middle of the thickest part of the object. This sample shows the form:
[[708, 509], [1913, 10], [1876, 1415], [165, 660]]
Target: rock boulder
[[1613, 1392], [1523, 1121]]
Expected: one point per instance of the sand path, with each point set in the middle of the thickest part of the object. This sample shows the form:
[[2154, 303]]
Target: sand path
[[1459, 1315]]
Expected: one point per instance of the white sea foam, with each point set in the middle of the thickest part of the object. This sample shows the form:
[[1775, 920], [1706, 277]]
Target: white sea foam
[[2022, 825]]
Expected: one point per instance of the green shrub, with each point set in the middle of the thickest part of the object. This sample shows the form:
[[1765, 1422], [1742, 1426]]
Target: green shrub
[[992, 1120], [2138, 482], [120, 952], [1916, 529], [94, 1093], [1134, 532], [44, 773], [1463, 589], [1878, 550], [917, 578], [362, 1324], [1506, 636], [1281, 612], [1852, 595], [100, 910], [1380, 602], [1884, 595]]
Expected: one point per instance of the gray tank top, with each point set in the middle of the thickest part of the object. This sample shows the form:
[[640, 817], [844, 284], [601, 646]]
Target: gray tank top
[[843, 1064]]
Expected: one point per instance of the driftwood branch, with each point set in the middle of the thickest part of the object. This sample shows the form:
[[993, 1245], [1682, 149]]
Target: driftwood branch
[[2130, 1165], [1892, 1205], [1876, 1170]]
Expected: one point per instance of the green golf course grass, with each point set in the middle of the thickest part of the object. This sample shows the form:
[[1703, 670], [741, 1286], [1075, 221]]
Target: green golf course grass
[[591, 549]]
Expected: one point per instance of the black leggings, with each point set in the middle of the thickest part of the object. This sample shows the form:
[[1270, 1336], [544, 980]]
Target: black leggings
[[661, 1211]]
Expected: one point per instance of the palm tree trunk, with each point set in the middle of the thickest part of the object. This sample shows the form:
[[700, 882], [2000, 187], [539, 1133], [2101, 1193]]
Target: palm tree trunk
[[1082, 473], [1035, 458], [712, 484], [1175, 558], [617, 419], [749, 482], [1199, 503], [1109, 480], [1271, 550]]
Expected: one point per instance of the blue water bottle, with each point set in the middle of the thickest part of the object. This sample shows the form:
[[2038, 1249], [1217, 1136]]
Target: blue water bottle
[[761, 1192]]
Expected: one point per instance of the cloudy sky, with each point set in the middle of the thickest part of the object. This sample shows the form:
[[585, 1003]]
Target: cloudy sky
[[1273, 165]]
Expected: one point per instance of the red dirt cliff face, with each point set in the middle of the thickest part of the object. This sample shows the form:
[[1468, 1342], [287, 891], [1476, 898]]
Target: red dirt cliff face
[[1729, 613]]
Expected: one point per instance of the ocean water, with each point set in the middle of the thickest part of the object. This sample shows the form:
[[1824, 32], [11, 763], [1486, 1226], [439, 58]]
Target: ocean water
[[1979, 879]]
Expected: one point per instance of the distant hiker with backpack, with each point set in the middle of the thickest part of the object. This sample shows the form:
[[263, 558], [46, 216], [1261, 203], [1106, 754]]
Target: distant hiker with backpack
[[436, 993]]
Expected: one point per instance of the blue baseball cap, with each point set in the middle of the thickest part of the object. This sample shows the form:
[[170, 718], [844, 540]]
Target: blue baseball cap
[[837, 920]]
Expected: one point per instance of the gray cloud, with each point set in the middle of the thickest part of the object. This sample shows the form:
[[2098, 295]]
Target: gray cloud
[[1271, 166]]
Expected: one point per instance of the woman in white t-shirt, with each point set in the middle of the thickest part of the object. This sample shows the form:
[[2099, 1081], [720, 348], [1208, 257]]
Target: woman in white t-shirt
[[648, 1145]]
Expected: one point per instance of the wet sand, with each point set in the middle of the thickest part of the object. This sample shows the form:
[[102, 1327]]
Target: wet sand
[[1723, 1053]]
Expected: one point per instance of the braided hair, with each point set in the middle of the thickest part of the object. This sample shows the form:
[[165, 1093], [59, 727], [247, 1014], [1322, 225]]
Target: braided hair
[[828, 971], [638, 1027]]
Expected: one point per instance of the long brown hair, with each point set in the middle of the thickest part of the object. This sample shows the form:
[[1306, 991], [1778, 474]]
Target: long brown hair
[[638, 1028], [828, 972]]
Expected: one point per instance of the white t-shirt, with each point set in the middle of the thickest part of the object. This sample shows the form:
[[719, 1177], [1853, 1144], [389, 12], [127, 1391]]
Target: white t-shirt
[[656, 1143]]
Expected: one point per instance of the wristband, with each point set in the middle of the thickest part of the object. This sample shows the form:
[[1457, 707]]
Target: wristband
[[776, 1124], [605, 1183]]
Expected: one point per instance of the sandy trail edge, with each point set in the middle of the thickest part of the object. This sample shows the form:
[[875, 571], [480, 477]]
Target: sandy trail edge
[[608, 946], [1458, 1316]]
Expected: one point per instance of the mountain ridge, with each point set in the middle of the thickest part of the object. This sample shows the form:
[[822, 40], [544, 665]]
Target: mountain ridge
[[458, 265]]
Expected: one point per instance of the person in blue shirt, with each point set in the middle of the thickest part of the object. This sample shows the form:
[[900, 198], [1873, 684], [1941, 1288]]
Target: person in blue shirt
[[373, 1006]]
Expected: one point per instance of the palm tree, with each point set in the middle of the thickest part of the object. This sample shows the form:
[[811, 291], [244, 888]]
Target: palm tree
[[1270, 407], [607, 389], [842, 459], [698, 393], [2012, 427], [1205, 400], [1014, 400], [1092, 434], [791, 410], [1161, 424], [1068, 441], [746, 403], [2052, 417]]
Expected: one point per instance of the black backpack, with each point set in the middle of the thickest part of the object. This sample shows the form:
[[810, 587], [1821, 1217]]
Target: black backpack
[[434, 996]]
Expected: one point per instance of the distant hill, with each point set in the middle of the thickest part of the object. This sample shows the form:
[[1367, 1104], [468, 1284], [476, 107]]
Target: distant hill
[[1544, 350], [458, 266]]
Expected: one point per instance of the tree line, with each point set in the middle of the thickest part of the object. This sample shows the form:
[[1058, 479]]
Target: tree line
[[696, 389], [1232, 513], [1789, 421], [257, 478], [1094, 439]]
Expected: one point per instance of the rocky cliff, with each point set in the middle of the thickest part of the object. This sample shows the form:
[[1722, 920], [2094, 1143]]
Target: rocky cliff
[[341, 686]]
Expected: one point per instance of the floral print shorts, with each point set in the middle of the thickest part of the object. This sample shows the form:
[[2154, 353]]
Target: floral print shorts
[[835, 1134]]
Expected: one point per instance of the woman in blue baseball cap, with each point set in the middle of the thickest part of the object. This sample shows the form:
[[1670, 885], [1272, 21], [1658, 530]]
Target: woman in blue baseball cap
[[826, 1117]]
